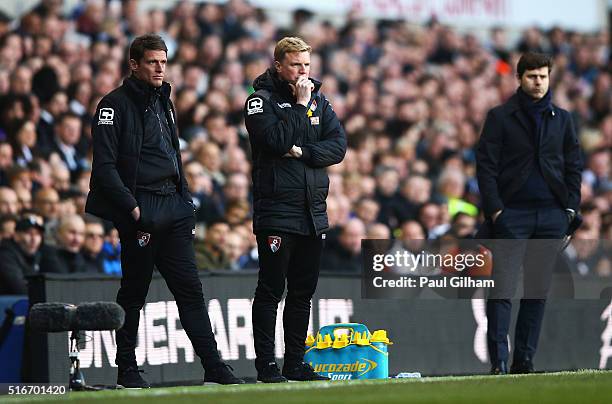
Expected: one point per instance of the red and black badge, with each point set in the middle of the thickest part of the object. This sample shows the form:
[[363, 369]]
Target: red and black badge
[[274, 242], [143, 238]]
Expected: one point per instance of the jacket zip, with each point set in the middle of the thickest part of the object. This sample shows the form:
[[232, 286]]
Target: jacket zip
[[161, 130]]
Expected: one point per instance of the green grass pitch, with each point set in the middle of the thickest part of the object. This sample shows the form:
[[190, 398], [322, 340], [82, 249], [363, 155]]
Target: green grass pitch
[[564, 387]]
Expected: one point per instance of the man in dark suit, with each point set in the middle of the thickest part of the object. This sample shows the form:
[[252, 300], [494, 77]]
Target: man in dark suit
[[66, 141], [528, 169]]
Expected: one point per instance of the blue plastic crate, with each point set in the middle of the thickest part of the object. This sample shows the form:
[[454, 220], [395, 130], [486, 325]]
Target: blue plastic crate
[[348, 351]]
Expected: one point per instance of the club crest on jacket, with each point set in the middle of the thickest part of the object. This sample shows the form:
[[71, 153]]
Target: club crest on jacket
[[274, 242], [143, 238]]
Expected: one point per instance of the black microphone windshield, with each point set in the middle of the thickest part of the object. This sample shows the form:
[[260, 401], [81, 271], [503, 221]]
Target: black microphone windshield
[[99, 316], [52, 317]]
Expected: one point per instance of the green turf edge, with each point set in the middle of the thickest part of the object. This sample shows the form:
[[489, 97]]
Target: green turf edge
[[204, 391]]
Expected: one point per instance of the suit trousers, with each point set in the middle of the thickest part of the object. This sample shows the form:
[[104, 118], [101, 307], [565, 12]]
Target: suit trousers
[[162, 238], [294, 259], [513, 249]]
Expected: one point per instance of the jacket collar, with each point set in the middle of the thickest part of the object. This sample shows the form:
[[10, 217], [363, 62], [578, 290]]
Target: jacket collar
[[270, 81], [513, 106], [139, 90], [514, 103]]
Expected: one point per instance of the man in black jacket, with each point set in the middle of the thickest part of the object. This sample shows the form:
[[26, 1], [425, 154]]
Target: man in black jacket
[[137, 181], [21, 255], [66, 256], [528, 169], [294, 135]]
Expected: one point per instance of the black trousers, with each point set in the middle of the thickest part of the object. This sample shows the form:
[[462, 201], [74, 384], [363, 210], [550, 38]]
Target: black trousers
[[545, 228], [163, 238], [293, 258]]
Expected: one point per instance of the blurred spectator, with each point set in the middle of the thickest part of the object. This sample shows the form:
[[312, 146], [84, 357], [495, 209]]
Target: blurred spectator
[[19, 177], [7, 226], [345, 256], [21, 255], [597, 173], [24, 197], [111, 253], [414, 192], [588, 255], [237, 212], [47, 204], [211, 252], [378, 231], [9, 204], [411, 240], [367, 210], [60, 176], [235, 250], [236, 189], [6, 160], [66, 257], [93, 244], [429, 217], [462, 226], [22, 136], [67, 138], [200, 184], [387, 182]]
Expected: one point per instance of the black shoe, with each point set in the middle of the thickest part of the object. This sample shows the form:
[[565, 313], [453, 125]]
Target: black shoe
[[221, 374], [523, 367], [130, 378], [302, 373], [270, 374], [500, 368]]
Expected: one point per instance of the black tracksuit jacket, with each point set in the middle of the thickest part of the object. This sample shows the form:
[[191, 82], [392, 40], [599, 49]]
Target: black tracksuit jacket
[[118, 132], [289, 194]]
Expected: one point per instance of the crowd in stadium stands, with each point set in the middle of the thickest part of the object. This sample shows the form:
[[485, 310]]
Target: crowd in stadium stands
[[412, 99]]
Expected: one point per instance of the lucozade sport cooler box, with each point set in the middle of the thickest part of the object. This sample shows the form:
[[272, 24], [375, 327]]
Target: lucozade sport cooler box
[[348, 351]]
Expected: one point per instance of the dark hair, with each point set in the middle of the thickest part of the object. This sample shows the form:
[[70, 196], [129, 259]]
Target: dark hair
[[91, 219], [532, 60], [67, 115], [144, 43], [14, 127]]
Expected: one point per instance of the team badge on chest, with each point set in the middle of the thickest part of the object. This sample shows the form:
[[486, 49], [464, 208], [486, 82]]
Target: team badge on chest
[[274, 242], [312, 109]]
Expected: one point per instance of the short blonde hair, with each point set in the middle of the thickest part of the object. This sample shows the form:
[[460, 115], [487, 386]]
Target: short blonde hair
[[290, 44]]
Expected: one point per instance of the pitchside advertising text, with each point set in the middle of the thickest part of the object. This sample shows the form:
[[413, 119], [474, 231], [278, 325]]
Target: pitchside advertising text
[[165, 353], [161, 339]]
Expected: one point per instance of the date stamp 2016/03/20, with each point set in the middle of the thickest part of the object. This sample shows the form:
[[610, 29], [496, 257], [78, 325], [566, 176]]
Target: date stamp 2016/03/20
[[22, 389]]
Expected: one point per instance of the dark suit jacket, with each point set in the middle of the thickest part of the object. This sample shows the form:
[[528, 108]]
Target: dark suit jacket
[[15, 266], [506, 154], [79, 158], [338, 259], [62, 261]]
